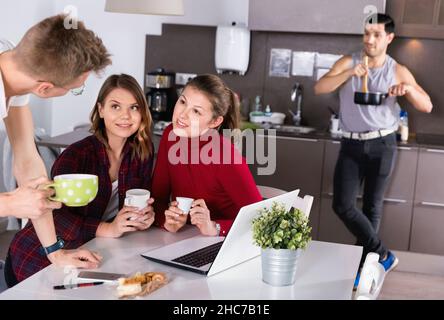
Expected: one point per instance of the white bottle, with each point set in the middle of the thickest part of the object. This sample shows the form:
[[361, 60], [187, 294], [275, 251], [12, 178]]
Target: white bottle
[[258, 105], [268, 110], [404, 125]]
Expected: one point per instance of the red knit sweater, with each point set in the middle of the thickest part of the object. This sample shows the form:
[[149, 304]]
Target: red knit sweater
[[224, 187]]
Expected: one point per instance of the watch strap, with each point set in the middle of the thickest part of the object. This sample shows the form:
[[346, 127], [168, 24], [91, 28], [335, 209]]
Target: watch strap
[[59, 244]]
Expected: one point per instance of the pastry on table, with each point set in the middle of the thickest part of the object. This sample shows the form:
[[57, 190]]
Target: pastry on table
[[140, 284]]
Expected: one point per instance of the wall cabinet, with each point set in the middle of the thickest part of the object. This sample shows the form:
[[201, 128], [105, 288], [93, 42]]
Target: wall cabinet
[[320, 16], [298, 166], [428, 214], [413, 18], [397, 211]]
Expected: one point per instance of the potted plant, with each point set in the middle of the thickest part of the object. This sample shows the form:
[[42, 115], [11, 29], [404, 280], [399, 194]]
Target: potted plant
[[282, 235]]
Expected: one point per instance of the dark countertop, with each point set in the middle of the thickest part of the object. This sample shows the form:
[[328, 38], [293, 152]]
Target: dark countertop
[[415, 141]]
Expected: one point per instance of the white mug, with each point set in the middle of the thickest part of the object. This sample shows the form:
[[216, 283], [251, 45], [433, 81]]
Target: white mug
[[184, 204], [137, 198]]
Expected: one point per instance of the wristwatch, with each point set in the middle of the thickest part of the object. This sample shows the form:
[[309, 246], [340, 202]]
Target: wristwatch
[[218, 229], [54, 247]]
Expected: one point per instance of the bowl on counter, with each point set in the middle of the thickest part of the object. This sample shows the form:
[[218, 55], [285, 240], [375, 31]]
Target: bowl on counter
[[273, 118], [294, 129]]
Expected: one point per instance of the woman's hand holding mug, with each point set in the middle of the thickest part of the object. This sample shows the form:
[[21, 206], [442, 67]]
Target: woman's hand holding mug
[[175, 218]]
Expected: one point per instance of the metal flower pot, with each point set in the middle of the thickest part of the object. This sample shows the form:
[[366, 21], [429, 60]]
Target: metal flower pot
[[279, 266]]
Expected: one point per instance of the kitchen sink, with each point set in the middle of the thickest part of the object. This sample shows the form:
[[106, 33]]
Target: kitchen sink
[[293, 129]]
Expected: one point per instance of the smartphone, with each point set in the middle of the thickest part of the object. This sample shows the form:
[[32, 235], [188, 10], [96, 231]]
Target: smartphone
[[99, 276]]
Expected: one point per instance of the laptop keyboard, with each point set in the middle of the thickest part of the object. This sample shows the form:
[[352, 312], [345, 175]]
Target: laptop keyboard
[[200, 257]]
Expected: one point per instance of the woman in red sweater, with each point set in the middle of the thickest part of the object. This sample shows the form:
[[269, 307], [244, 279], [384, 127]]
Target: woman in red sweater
[[195, 160]]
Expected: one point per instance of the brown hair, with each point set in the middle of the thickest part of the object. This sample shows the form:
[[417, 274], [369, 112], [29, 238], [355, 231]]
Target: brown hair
[[141, 140], [385, 19], [53, 53], [223, 100]]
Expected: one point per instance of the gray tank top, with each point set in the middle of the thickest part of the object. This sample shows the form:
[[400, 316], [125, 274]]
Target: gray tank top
[[357, 118]]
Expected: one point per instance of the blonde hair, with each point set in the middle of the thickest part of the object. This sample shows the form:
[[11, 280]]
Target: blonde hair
[[52, 53], [141, 140]]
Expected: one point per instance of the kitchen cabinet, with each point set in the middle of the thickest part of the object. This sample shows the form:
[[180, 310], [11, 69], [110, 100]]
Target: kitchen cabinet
[[428, 213], [331, 228], [397, 210], [421, 19], [298, 166], [319, 16], [402, 184], [394, 228], [398, 201], [427, 229], [413, 211]]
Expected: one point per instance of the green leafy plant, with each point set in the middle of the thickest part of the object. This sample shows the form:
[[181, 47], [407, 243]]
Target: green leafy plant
[[278, 228]]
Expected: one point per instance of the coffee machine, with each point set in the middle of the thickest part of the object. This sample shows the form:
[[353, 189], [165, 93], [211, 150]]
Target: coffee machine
[[161, 94]]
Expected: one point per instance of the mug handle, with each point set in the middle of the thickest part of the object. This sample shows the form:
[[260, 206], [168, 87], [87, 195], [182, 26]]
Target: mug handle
[[53, 198], [127, 202]]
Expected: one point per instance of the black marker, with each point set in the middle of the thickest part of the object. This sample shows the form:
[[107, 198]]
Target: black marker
[[78, 285]]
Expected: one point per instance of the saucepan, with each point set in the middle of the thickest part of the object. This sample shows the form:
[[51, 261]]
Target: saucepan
[[368, 98]]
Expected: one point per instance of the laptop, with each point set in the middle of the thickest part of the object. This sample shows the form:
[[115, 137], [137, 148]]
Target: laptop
[[211, 255]]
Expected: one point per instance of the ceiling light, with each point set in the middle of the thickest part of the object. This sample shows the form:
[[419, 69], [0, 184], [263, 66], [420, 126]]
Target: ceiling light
[[156, 7]]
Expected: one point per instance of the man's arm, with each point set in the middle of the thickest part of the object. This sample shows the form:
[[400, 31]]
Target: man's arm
[[341, 71], [413, 92], [27, 201], [28, 164]]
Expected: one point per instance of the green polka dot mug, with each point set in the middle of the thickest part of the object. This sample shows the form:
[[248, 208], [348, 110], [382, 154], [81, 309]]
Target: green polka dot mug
[[75, 190]]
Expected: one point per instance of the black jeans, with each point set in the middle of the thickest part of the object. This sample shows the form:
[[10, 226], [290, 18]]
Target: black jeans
[[369, 163]]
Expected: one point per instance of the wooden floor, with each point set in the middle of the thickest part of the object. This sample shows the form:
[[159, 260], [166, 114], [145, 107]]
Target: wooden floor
[[400, 285]]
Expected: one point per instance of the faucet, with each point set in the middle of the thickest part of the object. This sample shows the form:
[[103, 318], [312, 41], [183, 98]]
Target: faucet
[[296, 96]]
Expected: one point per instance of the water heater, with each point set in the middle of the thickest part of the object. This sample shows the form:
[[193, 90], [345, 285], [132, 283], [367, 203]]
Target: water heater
[[232, 52]]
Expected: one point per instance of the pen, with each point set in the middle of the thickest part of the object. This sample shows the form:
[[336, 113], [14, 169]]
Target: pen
[[78, 285]]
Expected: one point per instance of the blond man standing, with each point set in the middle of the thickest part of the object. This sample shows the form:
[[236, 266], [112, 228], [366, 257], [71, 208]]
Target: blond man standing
[[49, 61]]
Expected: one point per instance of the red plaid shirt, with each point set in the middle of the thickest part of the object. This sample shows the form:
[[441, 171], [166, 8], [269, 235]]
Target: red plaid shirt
[[77, 225]]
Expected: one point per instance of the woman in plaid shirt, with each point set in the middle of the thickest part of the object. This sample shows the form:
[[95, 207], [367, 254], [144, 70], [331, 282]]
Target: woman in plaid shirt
[[120, 153]]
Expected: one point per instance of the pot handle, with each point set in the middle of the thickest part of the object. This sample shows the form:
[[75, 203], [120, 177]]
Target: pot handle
[[365, 79]]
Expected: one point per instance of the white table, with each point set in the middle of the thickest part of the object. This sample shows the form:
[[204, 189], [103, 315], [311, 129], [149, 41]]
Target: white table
[[325, 271]]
